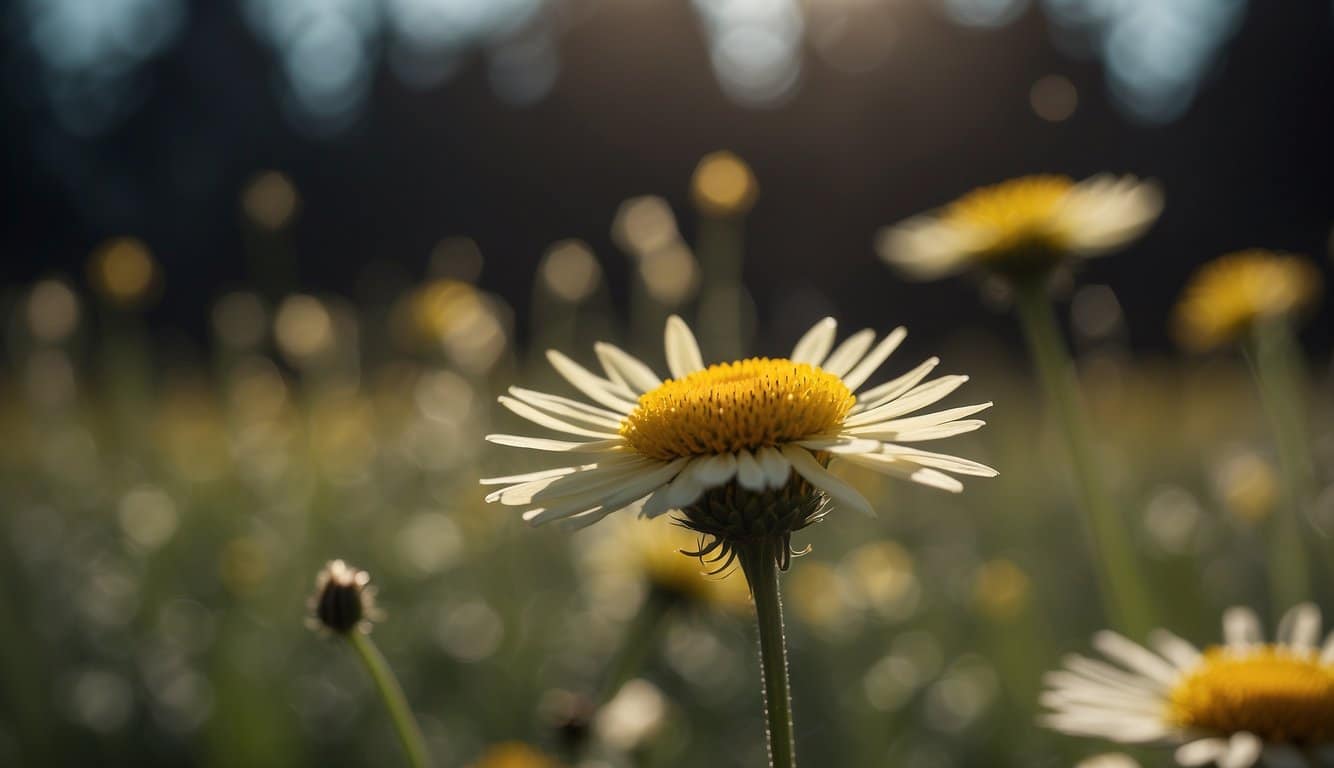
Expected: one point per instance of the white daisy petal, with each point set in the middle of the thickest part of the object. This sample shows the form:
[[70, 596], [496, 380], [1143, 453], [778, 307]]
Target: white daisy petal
[[849, 353], [629, 369], [886, 430], [937, 460], [933, 478], [1106, 674], [884, 393], [841, 445], [876, 358], [1243, 751], [814, 346], [1105, 212], [584, 519], [568, 485], [629, 490], [577, 485], [573, 409], [1174, 649], [938, 432], [1136, 657], [776, 468], [685, 489], [917, 398], [683, 356], [543, 444], [656, 503], [749, 473], [521, 493], [551, 422], [1241, 627], [1300, 627], [1201, 751], [716, 470], [840, 492], [615, 396], [920, 475], [541, 474], [925, 248]]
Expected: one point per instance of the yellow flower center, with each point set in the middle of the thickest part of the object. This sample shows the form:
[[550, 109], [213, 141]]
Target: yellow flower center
[[730, 406], [1016, 216], [1276, 693]]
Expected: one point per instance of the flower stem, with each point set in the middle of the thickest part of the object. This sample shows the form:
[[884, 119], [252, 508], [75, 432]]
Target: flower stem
[[1276, 369], [1118, 573], [392, 693], [761, 569]]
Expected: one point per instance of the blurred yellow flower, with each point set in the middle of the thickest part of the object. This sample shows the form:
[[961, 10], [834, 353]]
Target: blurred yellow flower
[[514, 754], [723, 185], [1248, 486], [818, 596], [1028, 224], [652, 551], [122, 271], [1000, 589], [1228, 295], [882, 576]]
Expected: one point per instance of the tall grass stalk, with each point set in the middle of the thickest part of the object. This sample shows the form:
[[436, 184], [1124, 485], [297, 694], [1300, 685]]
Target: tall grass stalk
[[1118, 573], [1276, 366]]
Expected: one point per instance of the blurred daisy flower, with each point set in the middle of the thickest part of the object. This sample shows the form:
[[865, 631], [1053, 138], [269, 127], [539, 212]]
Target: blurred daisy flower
[[1229, 295], [649, 552], [1231, 705], [514, 754], [1025, 225], [741, 448]]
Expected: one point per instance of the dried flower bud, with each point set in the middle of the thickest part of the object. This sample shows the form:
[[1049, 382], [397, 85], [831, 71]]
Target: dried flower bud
[[343, 599]]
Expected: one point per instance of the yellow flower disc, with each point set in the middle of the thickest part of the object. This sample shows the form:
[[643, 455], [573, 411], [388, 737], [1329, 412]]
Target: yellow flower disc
[[1227, 295], [733, 406], [1279, 694], [1015, 216]]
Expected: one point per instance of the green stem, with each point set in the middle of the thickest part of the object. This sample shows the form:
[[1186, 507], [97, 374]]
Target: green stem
[[392, 693], [761, 569], [1273, 364], [1118, 573], [638, 641]]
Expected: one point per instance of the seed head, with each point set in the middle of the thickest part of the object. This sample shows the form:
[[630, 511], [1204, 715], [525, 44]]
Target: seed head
[[343, 601]]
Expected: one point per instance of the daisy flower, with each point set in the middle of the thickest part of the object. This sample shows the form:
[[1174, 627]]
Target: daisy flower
[[1230, 705], [741, 448], [632, 552], [1229, 295], [514, 754], [1023, 225]]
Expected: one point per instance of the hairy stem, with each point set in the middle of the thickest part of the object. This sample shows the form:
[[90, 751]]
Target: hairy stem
[[759, 564]]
